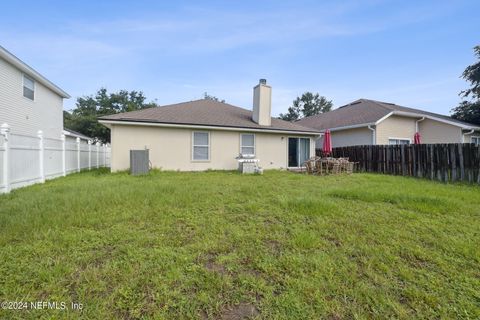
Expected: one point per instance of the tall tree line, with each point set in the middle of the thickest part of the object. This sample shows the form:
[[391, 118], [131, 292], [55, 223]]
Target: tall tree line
[[84, 117], [309, 104], [469, 109]]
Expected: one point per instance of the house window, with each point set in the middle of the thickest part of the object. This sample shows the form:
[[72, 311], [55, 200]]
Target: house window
[[28, 87], [398, 141], [201, 146], [476, 141], [247, 143]]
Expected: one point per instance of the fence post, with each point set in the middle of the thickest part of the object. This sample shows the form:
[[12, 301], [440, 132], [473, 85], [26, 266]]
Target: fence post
[[5, 132], [64, 158], [89, 154], [104, 154], [98, 158], [40, 156], [78, 154]]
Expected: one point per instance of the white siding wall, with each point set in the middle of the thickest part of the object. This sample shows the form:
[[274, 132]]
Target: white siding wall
[[24, 115]]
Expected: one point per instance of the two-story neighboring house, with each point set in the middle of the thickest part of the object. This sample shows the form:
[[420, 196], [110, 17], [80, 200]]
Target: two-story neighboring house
[[28, 101]]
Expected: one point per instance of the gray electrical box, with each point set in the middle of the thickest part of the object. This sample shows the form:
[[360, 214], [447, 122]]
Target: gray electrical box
[[139, 162]]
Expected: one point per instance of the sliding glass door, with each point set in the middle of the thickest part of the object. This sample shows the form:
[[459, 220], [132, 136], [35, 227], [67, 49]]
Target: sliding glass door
[[292, 152], [303, 150], [298, 151]]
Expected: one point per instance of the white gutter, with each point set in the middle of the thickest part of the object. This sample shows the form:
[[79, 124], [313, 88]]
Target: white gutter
[[319, 136], [416, 123], [408, 114], [373, 134], [362, 125], [108, 124], [383, 118], [464, 134], [414, 115]]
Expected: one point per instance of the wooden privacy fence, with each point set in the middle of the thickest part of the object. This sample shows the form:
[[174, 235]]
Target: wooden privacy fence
[[443, 162]]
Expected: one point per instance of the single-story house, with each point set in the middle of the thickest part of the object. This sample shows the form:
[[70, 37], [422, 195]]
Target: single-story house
[[71, 136], [206, 134], [367, 122], [29, 102]]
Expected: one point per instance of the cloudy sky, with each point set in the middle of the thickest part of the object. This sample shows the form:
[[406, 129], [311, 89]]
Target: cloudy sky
[[407, 52]]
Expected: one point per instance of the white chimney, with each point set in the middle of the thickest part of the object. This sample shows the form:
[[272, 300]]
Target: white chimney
[[262, 103]]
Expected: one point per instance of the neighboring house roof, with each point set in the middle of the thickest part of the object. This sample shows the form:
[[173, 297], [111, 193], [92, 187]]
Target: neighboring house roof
[[364, 112], [22, 66], [75, 134], [204, 112]]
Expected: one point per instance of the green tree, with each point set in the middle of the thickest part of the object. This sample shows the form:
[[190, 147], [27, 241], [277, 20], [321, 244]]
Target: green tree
[[83, 118], [469, 110], [309, 104], [206, 96]]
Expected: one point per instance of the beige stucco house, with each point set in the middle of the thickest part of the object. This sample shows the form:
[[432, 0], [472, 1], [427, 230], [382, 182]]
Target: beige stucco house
[[366, 122], [28, 101], [205, 134]]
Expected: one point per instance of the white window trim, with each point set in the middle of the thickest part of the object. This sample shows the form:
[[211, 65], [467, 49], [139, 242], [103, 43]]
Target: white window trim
[[396, 138], [34, 86], [476, 137], [198, 145], [254, 142]]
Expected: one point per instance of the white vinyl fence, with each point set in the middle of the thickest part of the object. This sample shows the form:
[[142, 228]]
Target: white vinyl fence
[[26, 160]]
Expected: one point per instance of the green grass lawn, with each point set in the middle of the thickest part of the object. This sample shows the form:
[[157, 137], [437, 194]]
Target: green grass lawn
[[221, 245]]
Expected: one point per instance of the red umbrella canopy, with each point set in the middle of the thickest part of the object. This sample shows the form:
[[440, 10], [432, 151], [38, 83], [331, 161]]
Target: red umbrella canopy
[[327, 143], [416, 138]]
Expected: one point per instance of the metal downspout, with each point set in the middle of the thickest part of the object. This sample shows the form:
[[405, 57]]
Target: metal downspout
[[373, 134], [464, 134]]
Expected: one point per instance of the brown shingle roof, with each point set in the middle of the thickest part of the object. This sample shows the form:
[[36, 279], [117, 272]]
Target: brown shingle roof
[[364, 112], [205, 113]]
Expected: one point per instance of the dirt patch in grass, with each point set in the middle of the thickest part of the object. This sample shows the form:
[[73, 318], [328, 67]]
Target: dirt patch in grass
[[336, 242], [211, 264], [243, 310], [269, 221], [334, 316], [416, 261], [240, 311], [274, 247], [248, 267]]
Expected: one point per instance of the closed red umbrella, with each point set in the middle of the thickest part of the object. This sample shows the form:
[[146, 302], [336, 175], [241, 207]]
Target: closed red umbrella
[[327, 143], [416, 138]]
